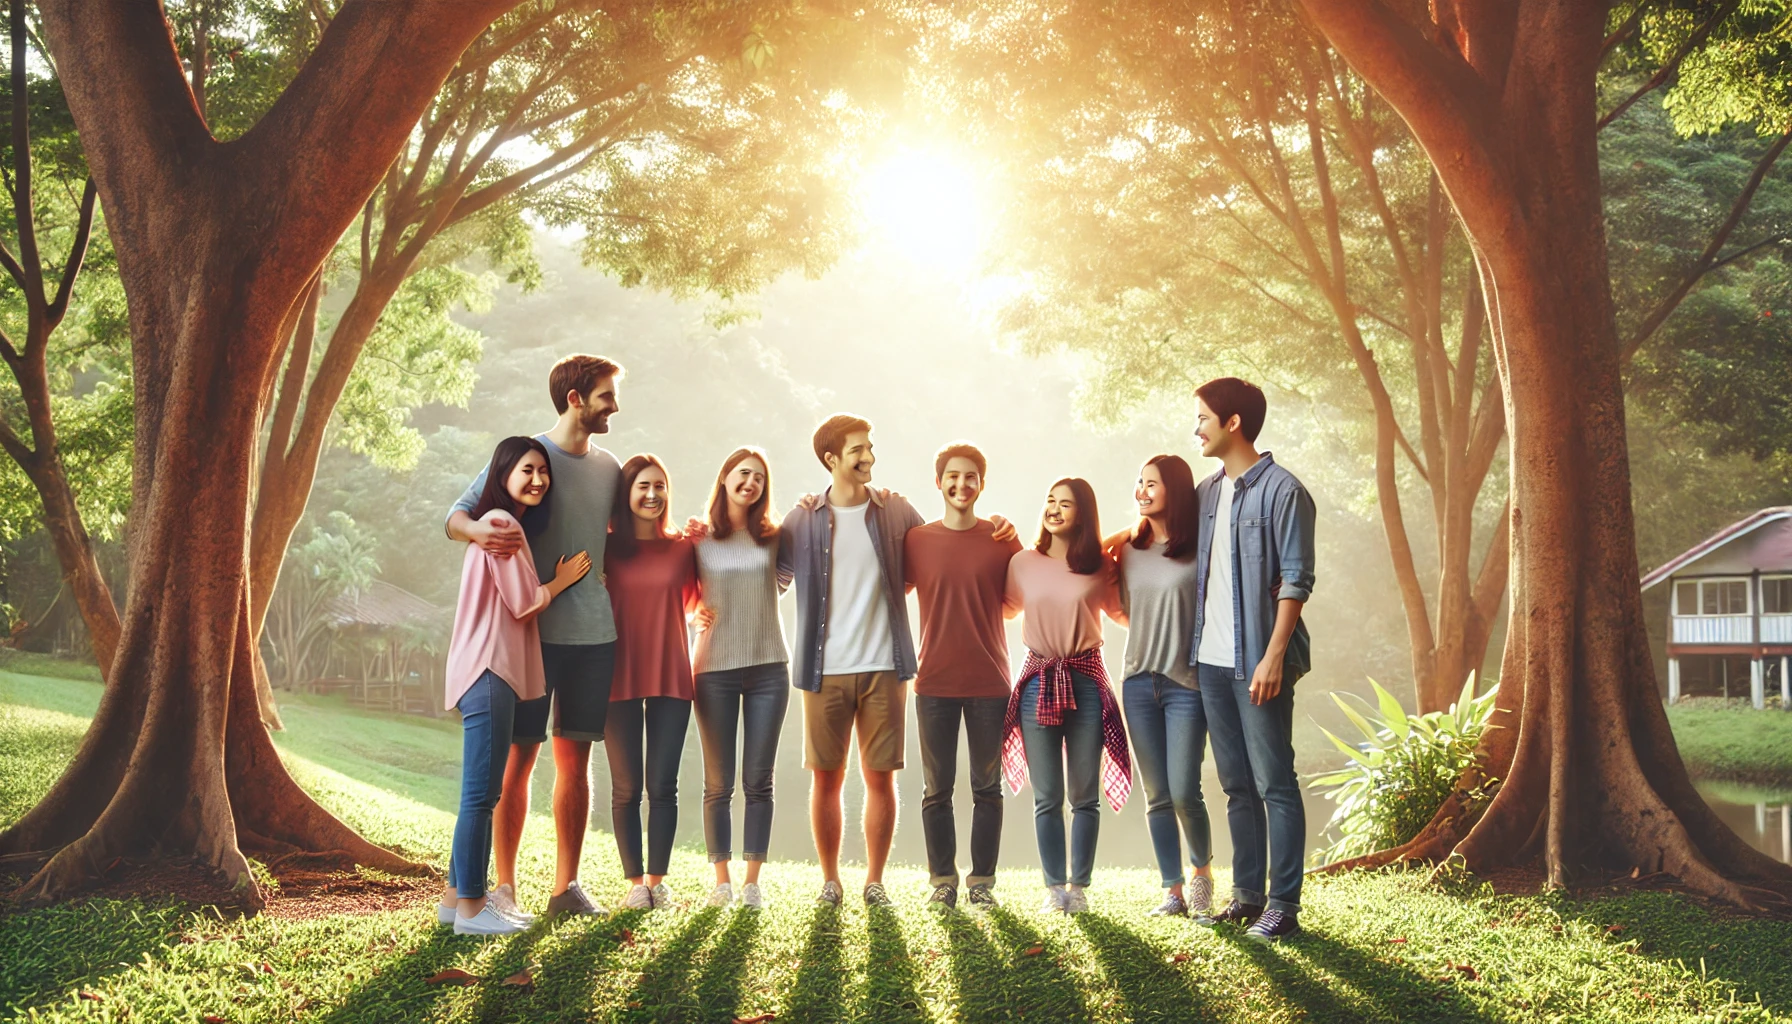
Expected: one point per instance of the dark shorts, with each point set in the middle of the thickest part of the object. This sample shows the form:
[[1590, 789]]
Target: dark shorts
[[578, 677]]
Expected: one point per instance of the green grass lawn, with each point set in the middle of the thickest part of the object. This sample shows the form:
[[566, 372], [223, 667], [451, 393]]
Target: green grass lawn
[[1381, 947], [1735, 743]]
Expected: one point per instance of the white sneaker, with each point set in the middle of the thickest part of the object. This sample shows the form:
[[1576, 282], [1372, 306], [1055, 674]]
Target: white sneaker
[[445, 913], [487, 922], [639, 898], [1054, 900], [1200, 899], [1076, 901], [504, 898], [750, 896], [722, 894], [662, 897]]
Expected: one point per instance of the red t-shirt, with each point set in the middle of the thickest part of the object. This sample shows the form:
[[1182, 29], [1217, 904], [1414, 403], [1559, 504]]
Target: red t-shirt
[[651, 592], [960, 577]]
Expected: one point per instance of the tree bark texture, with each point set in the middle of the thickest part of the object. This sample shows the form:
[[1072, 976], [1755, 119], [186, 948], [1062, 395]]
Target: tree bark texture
[[215, 243], [1501, 96]]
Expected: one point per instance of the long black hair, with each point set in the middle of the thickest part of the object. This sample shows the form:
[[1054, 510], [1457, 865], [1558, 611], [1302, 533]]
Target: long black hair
[[509, 452], [1084, 555], [1183, 517]]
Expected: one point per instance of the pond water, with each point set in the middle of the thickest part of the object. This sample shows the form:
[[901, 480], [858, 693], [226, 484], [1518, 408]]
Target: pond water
[[1763, 817]]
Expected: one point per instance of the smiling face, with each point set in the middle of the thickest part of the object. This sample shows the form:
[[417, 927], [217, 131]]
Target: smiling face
[[1150, 493], [647, 496], [745, 483], [596, 408], [1061, 512], [1214, 437], [960, 483], [528, 480], [853, 464]]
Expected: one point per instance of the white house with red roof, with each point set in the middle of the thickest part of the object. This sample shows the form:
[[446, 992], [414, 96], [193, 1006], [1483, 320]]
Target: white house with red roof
[[1730, 611]]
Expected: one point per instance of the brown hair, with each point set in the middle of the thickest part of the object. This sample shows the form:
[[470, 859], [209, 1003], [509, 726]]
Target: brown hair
[[1183, 517], [578, 373], [622, 518], [505, 456], [959, 450], [1229, 397], [1084, 556], [830, 437], [759, 520]]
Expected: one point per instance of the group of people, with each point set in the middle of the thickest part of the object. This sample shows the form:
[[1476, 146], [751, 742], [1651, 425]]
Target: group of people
[[1210, 583]]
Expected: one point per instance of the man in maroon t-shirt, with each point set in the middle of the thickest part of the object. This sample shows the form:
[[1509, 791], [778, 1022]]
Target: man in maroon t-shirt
[[960, 573]]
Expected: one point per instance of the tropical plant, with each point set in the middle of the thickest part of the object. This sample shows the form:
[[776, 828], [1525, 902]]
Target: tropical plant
[[1402, 772]]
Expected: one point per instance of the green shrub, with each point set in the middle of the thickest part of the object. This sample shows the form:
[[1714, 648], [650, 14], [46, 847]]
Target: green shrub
[[1407, 766]]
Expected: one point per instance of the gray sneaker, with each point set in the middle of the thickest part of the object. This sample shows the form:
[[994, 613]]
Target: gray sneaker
[[1199, 895], [504, 899], [982, 895], [572, 901], [751, 897], [1172, 906], [662, 897], [639, 898], [1054, 900], [875, 896], [722, 894], [1075, 901], [831, 894], [944, 896]]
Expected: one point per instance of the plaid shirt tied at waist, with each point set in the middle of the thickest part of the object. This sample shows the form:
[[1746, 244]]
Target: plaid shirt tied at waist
[[1055, 695]]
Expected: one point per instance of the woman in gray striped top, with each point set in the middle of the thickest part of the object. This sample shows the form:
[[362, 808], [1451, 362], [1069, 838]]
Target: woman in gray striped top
[[742, 665]]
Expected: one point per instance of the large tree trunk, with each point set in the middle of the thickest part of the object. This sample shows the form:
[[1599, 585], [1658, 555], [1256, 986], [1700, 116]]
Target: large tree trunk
[[215, 244], [1591, 783]]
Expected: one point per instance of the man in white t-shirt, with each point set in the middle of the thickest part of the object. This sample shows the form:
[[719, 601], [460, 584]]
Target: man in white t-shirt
[[854, 655]]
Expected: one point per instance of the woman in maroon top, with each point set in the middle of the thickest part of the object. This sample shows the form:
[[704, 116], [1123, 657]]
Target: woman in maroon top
[[651, 572]]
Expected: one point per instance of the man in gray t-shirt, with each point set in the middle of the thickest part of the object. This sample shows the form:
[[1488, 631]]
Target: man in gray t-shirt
[[578, 630]]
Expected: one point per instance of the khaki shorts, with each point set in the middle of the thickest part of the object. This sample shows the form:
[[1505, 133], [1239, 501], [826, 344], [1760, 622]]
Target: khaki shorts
[[876, 701]]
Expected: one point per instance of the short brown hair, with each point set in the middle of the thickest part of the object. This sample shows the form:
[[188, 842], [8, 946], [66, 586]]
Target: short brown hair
[[578, 373], [830, 437], [959, 450], [1229, 397]]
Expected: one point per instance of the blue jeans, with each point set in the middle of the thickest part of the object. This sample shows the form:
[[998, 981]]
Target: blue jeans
[[748, 704], [487, 710], [1253, 748], [644, 740], [1169, 734], [1054, 752]]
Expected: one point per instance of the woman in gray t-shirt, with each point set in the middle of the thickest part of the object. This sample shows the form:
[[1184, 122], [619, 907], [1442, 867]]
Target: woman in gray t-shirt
[[742, 666], [1160, 589]]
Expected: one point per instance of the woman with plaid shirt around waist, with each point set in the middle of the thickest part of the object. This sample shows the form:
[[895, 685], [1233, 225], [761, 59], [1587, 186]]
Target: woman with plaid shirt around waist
[[1063, 726]]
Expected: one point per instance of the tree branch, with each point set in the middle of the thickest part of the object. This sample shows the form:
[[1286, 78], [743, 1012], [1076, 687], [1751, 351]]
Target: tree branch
[[1667, 69], [77, 254], [22, 207], [1707, 259]]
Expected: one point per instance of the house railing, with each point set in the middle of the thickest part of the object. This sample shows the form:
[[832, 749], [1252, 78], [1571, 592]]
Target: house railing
[[1776, 629], [1718, 629]]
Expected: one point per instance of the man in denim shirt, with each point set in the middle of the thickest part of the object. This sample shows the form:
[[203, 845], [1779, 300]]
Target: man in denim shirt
[[1255, 556]]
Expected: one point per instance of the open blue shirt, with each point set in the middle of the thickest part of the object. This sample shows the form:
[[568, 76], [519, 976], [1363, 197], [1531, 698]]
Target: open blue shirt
[[1272, 558]]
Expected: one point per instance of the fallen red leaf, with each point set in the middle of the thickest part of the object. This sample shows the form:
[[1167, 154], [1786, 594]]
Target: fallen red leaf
[[452, 976], [267, 968], [1613, 929], [626, 937], [1034, 950], [1176, 958], [1466, 971], [1397, 940], [521, 979], [761, 1019], [93, 996], [212, 1018]]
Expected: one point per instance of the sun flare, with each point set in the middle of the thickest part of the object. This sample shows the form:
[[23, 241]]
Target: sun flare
[[924, 204]]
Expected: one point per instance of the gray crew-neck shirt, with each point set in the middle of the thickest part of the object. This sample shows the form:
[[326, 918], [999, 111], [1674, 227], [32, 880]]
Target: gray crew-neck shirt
[[581, 491], [740, 583], [1160, 596]]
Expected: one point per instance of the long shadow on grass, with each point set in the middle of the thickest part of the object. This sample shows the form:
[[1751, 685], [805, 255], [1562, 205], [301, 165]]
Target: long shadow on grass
[[720, 983], [400, 991], [664, 992], [1150, 990], [819, 995], [1047, 991], [47, 952], [1393, 990], [1751, 953], [986, 985], [583, 948], [891, 992]]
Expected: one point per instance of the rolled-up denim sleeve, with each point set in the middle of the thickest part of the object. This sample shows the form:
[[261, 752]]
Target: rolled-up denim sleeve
[[468, 500], [1295, 521]]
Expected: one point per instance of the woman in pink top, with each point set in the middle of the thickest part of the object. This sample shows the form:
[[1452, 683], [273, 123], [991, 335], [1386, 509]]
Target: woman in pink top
[[651, 571], [1062, 716], [494, 660]]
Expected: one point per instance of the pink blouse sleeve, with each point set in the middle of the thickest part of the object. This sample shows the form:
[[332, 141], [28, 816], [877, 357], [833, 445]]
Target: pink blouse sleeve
[[519, 589]]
